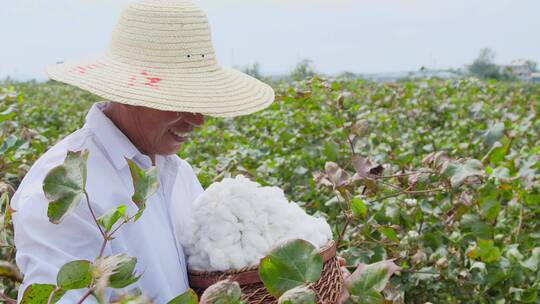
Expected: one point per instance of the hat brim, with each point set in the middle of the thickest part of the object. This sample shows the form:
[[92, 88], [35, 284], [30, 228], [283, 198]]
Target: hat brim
[[216, 91]]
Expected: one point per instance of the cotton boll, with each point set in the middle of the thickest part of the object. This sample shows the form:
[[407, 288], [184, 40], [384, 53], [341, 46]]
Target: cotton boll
[[252, 239], [236, 222], [218, 260]]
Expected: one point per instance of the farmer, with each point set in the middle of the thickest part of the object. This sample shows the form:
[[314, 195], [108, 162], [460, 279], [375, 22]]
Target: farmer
[[159, 79]]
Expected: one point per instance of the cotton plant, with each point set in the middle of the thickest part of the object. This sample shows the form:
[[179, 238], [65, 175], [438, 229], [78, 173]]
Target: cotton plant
[[65, 188], [236, 222]]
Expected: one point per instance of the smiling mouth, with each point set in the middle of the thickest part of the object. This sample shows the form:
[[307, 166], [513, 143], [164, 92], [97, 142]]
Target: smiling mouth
[[179, 136]]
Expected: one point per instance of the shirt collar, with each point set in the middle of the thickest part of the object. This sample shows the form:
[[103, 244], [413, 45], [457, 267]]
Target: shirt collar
[[116, 144]]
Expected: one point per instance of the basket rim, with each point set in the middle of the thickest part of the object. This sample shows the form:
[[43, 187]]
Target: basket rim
[[246, 275]]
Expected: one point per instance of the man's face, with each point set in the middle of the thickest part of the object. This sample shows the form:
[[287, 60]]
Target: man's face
[[161, 132]]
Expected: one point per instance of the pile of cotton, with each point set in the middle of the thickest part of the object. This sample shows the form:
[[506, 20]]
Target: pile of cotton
[[236, 222]]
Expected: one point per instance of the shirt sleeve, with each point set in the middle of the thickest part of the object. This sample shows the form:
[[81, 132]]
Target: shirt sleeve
[[43, 247]]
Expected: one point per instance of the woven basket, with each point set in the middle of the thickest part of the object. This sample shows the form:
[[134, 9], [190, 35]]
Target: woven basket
[[327, 288]]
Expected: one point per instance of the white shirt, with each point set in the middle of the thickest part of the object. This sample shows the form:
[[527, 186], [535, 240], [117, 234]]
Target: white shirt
[[43, 247]]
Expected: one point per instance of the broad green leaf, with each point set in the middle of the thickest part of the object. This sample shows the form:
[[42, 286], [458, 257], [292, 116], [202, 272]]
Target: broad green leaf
[[389, 233], [459, 173], [11, 143], [512, 252], [298, 295], [489, 202], [533, 262], [7, 114], [497, 153], [532, 200], [291, 264], [485, 251], [110, 218], [124, 274], [493, 133], [188, 297], [75, 275], [64, 185], [530, 295], [478, 228], [358, 207], [331, 151], [39, 294], [367, 279], [369, 297], [145, 183], [222, 292]]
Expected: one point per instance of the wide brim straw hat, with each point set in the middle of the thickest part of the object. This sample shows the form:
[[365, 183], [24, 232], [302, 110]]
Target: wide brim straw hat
[[161, 56]]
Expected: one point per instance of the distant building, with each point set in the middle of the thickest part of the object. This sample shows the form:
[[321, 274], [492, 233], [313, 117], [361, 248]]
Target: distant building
[[518, 68], [535, 77]]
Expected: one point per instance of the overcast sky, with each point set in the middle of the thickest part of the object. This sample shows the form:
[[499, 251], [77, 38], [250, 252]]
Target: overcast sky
[[363, 36]]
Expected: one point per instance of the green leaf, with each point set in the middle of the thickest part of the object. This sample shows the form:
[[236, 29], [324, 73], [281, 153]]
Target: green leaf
[[11, 143], [367, 280], [298, 295], [368, 297], [530, 295], [478, 228], [493, 133], [533, 262], [64, 185], [124, 274], [459, 173], [188, 297], [486, 251], [222, 292], [39, 294], [7, 114], [358, 207], [110, 218], [145, 183], [497, 153], [294, 263], [488, 201], [75, 275], [390, 233], [331, 151]]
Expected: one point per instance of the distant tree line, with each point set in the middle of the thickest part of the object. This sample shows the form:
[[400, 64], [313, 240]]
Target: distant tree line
[[484, 67]]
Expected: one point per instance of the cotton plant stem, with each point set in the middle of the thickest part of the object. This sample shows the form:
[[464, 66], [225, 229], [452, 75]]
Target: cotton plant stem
[[86, 295], [94, 215], [121, 224], [51, 296], [347, 217], [406, 174], [110, 234]]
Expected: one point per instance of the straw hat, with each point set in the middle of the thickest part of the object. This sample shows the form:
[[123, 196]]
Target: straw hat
[[161, 56]]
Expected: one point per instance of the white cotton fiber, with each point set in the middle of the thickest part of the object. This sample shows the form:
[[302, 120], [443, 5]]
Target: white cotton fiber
[[236, 222]]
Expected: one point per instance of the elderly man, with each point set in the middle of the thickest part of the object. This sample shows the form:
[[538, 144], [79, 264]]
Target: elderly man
[[159, 79]]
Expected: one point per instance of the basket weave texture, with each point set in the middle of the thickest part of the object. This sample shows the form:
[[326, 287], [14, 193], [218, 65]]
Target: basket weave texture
[[327, 288]]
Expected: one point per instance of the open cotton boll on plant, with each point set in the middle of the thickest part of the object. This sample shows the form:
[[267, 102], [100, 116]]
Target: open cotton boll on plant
[[236, 222]]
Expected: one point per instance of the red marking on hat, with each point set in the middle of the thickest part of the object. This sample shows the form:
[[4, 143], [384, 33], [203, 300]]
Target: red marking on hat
[[82, 69], [152, 81]]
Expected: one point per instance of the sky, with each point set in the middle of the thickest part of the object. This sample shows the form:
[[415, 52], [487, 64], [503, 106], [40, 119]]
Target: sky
[[361, 36]]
